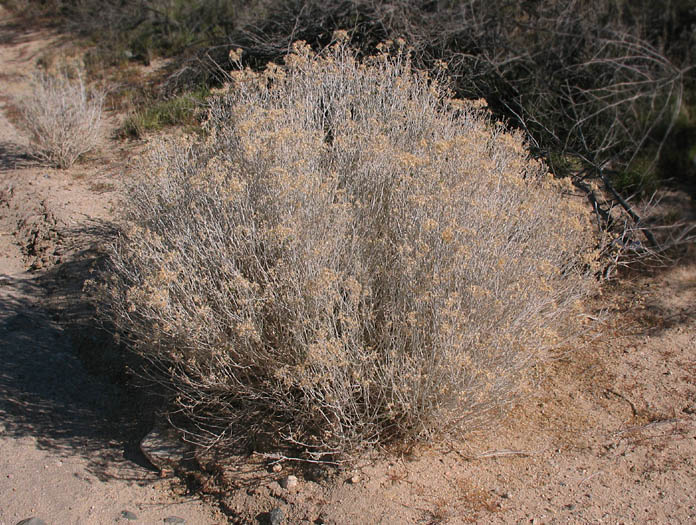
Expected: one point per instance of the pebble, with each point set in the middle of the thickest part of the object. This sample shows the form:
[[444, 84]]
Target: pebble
[[290, 482], [163, 448], [277, 467], [128, 515], [32, 521], [355, 479], [276, 516], [175, 519], [276, 490]]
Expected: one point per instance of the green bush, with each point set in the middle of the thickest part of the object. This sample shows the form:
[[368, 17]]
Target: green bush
[[349, 258], [156, 115]]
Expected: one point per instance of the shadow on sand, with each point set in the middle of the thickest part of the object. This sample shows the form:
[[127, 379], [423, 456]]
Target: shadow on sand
[[63, 380], [13, 157]]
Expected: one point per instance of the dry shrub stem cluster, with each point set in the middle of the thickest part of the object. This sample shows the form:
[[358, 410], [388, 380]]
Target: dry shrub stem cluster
[[630, 240], [64, 118], [350, 258]]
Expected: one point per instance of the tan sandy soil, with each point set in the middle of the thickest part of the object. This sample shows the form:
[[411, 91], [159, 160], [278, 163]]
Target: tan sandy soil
[[68, 438], [607, 433]]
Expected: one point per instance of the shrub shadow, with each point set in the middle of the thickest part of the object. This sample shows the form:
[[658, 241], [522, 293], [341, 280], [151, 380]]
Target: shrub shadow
[[63, 380], [16, 30], [13, 157], [654, 310]]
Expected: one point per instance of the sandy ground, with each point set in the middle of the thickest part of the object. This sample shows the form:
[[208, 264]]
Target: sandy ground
[[68, 437], [606, 435]]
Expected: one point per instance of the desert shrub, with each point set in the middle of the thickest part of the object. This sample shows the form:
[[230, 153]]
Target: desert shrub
[[64, 118], [349, 258]]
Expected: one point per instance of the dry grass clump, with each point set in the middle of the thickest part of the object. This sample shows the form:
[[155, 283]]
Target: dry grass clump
[[349, 258], [64, 118]]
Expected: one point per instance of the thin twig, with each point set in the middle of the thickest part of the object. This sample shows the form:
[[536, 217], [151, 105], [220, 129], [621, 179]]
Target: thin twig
[[648, 425], [636, 218], [503, 453], [620, 396], [493, 453], [277, 458], [588, 478]]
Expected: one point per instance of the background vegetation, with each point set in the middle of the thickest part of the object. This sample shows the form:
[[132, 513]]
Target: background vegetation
[[595, 85], [603, 90]]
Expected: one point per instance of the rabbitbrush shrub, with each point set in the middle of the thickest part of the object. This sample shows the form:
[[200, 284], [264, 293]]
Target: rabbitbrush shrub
[[349, 258], [64, 118]]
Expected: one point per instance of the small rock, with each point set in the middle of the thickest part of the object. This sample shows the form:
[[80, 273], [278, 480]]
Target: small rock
[[276, 516], [32, 521], [128, 515], [275, 490], [175, 519], [163, 448], [505, 495], [277, 467], [354, 479], [290, 482]]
